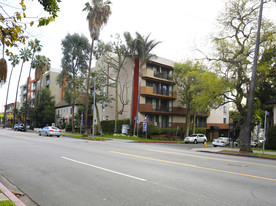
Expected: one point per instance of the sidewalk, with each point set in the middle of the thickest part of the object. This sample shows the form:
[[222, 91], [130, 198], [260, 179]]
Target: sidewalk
[[9, 192], [211, 149]]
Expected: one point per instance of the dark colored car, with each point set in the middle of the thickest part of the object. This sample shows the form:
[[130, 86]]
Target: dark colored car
[[19, 127]]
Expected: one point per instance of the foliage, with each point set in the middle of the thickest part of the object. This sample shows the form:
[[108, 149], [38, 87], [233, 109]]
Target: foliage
[[234, 47], [98, 14], [45, 111], [6, 203], [15, 21], [75, 50], [271, 138], [199, 89]]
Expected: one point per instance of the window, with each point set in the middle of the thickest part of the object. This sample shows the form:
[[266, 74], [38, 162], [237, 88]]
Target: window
[[224, 110], [224, 120]]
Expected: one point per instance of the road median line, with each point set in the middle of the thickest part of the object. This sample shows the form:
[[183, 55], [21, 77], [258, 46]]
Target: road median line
[[194, 166]]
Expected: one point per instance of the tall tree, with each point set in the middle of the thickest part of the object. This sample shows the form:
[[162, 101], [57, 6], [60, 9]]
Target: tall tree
[[25, 55], [34, 47], [44, 114], [140, 48], [14, 59], [41, 64], [98, 14], [75, 50], [234, 47], [115, 54]]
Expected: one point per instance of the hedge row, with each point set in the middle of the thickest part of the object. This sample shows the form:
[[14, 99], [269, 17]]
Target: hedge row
[[271, 138], [109, 125]]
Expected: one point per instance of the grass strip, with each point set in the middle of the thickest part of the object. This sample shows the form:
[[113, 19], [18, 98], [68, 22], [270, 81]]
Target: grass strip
[[6, 203]]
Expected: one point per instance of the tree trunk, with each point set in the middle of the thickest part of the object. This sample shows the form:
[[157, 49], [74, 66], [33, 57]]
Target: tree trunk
[[194, 123], [116, 104], [99, 126], [40, 85], [87, 89], [73, 117], [245, 142], [5, 112], [17, 93], [188, 117]]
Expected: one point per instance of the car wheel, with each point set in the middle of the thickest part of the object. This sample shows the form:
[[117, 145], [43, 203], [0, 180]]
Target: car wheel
[[204, 141], [195, 141], [39, 134], [46, 134], [215, 145], [58, 136]]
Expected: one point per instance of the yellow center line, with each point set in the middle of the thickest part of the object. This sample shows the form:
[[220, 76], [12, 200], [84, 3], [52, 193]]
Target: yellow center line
[[194, 166], [211, 158]]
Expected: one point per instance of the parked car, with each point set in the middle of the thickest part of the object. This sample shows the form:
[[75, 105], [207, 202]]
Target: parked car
[[195, 138], [50, 131], [256, 143], [223, 142], [19, 127], [15, 127]]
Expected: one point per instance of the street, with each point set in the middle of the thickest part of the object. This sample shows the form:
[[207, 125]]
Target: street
[[67, 171]]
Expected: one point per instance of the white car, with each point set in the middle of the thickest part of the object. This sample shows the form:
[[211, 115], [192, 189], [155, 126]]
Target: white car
[[50, 131], [223, 142], [195, 138]]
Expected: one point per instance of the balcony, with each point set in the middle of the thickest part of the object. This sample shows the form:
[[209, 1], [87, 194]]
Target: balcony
[[149, 108], [162, 94], [157, 76]]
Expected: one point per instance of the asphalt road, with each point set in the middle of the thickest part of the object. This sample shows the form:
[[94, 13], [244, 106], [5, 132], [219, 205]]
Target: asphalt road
[[66, 171]]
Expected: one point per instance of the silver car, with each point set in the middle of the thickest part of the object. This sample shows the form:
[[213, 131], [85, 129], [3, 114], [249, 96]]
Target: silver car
[[50, 131], [195, 138]]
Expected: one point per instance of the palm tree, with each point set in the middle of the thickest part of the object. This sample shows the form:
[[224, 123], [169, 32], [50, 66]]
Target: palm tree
[[14, 61], [25, 55], [98, 14], [140, 49], [41, 64], [35, 47]]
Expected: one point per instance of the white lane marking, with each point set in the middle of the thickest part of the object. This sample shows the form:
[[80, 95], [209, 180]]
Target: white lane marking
[[104, 169]]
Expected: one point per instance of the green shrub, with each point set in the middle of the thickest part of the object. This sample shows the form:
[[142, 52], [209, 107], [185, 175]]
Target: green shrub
[[109, 125], [271, 138]]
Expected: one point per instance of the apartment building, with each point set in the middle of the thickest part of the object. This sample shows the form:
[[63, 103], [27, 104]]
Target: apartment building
[[158, 99], [48, 81]]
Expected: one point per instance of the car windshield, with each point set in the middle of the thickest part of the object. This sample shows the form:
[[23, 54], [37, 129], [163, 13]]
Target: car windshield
[[193, 135]]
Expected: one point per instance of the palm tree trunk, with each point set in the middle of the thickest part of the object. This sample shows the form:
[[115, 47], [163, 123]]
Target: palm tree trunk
[[17, 92], [26, 102], [40, 85], [5, 112], [87, 89]]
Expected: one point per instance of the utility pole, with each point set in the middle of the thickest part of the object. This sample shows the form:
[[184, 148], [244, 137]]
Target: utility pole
[[247, 129]]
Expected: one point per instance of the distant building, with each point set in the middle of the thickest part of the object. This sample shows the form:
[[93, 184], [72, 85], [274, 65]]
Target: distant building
[[272, 112], [159, 99]]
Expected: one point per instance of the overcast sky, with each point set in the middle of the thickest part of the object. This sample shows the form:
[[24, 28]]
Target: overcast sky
[[181, 26]]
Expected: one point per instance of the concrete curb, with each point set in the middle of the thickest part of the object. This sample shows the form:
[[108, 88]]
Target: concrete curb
[[11, 196], [241, 155]]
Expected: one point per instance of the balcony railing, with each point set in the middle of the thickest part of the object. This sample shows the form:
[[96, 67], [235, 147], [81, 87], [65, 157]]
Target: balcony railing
[[149, 108], [163, 75], [162, 108], [201, 125]]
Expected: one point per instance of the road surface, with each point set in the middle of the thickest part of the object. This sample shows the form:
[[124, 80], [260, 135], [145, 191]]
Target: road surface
[[67, 171]]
